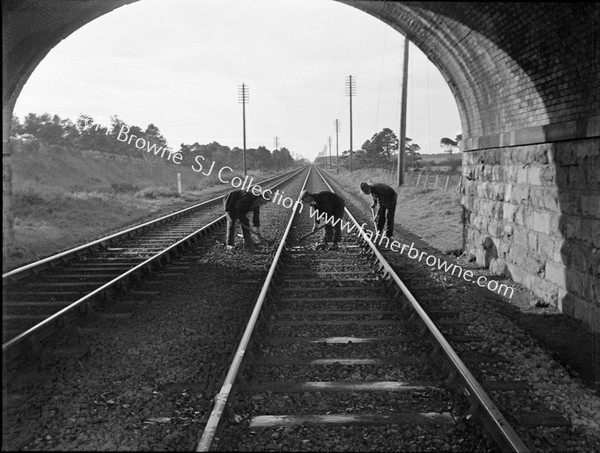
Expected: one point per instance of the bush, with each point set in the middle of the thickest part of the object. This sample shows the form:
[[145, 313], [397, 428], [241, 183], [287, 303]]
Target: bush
[[25, 142], [124, 187], [155, 192], [29, 197]]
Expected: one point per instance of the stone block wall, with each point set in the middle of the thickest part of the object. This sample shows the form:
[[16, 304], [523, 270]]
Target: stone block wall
[[532, 212]]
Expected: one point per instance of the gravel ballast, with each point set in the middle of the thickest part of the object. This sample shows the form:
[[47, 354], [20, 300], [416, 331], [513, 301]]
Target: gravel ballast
[[146, 382]]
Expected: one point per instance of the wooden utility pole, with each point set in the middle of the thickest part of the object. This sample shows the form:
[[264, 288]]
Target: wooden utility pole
[[402, 138], [276, 159], [350, 91], [330, 162], [337, 157], [243, 97]]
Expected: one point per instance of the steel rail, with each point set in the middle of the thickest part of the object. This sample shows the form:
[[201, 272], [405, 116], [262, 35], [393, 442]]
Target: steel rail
[[493, 419], [212, 426], [119, 234], [32, 330]]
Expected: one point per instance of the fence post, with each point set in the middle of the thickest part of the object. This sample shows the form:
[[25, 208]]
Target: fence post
[[435, 182], [426, 179], [447, 181], [418, 178], [179, 183]]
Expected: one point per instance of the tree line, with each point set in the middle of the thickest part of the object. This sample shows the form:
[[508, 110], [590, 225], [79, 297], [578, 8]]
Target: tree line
[[380, 151], [85, 134]]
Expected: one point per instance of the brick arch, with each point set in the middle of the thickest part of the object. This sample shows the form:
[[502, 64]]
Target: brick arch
[[503, 63], [525, 78], [32, 28]]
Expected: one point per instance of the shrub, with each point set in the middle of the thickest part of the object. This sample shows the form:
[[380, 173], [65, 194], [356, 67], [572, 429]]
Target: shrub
[[28, 197], [124, 187], [155, 192], [91, 195]]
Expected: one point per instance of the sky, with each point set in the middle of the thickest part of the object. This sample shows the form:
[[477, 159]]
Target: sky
[[179, 63]]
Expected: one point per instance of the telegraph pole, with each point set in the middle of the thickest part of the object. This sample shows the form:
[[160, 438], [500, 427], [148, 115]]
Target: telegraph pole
[[243, 97], [330, 163], [276, 148], [337, 157], [350, 91], [402, 141]]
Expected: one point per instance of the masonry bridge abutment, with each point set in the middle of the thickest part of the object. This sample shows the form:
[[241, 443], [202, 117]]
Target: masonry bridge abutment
[[525, 77]]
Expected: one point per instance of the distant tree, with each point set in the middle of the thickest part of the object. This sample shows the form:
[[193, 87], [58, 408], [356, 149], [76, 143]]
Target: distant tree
[[153, 134], [189, 152], [236, 158], [345, 159], [48, 129], [286, 158], [380, 147], [155, 142], [129, 145], [92, 135], [118, 146], [413, 156], [16, 128], [262, 158], [26, 142], [221, 155], [277, 161], [449, 145]]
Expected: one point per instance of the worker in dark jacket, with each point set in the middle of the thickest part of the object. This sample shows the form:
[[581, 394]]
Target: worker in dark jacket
[[384, 204], [237, 204], [329, 206]]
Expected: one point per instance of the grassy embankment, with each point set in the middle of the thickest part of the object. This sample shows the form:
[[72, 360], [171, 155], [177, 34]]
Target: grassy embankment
[[63, 198], [430, 213]]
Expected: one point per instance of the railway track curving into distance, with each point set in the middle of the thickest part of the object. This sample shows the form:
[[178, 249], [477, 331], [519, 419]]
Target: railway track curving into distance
[[338, 353]]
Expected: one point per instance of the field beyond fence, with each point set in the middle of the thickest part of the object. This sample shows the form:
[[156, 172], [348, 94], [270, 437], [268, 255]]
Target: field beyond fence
[[426, 180]]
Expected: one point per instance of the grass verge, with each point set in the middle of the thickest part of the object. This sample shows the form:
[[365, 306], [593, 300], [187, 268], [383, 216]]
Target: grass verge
[[430, 213]]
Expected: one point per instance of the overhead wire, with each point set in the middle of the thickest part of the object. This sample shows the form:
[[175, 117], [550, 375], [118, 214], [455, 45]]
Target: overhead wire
[[428, 110], [380, 79]]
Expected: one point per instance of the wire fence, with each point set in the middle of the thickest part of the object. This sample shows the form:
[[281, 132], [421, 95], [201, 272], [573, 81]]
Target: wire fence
[[427, 180]]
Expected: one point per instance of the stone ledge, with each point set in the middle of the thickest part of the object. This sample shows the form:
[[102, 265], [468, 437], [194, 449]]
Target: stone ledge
[[569, 130]]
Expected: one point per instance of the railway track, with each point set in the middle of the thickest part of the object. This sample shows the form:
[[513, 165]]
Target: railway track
[[143, 374], [40, 297], [339, 354]]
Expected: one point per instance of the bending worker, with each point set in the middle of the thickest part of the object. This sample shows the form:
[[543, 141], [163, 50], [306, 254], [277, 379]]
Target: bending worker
[[384, 200], [330, 208], [238, 203]]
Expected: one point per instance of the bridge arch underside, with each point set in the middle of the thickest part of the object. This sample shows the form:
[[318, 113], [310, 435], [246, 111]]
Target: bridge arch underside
[[525, 78]]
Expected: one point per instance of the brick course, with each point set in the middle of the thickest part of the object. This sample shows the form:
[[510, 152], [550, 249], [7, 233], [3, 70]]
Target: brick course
[[546, 230]]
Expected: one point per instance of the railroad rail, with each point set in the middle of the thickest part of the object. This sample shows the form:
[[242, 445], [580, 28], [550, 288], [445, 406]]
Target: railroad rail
[[348, 289], [42, 295]]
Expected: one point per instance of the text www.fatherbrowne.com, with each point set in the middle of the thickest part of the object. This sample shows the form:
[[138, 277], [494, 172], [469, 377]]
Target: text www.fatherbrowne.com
[[413, 253]]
